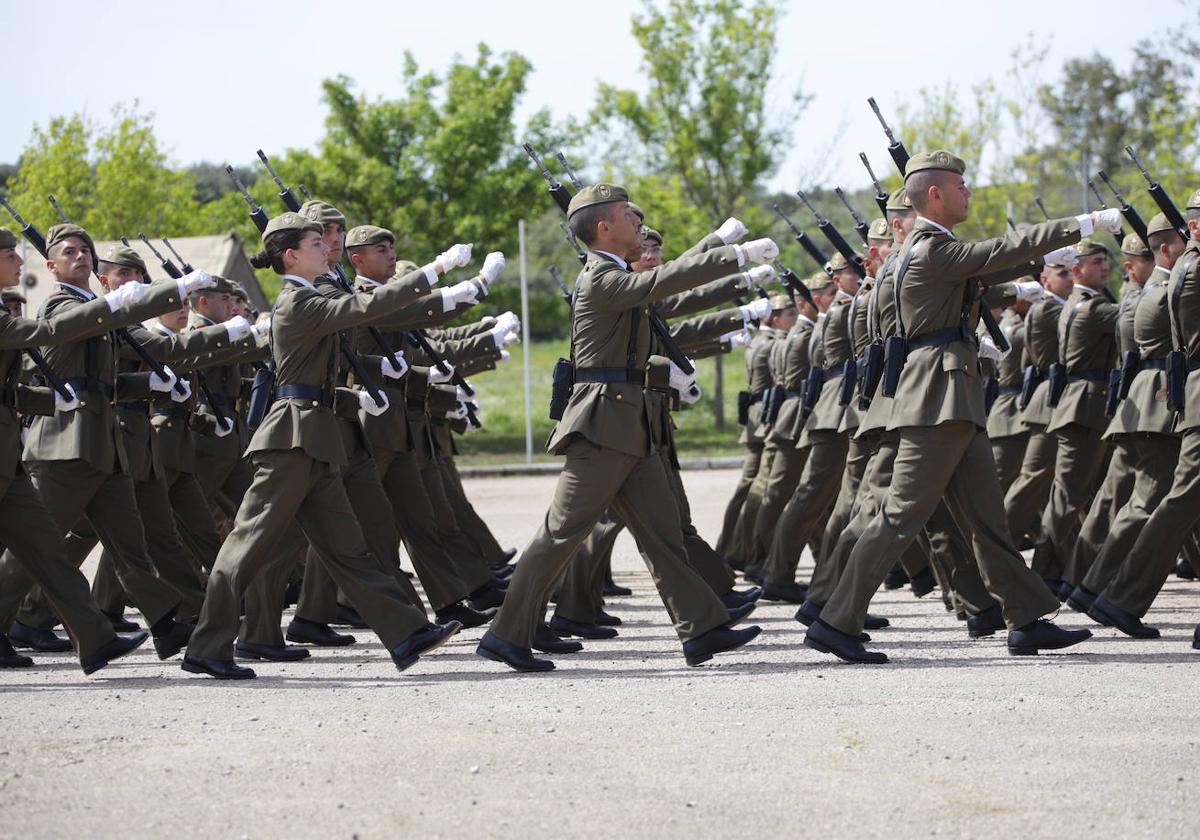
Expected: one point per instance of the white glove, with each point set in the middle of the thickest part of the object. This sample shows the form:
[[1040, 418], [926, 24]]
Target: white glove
[[506, 339], [456, 256], [1108, 219], [760, 308], [458, 413], [367, 403], [760, 274], [390, 370], [739, 338], [988, 350], [157, 383], [731, 230], [681, 381], [458, 294], [757, 251], [1060, 255], [194, 281], [493, 263], [68, 405], [691, 396], [1030, 290], [263, 325], [436, 377], [222, 427], [238, 327], [125, 297], [509, 320], [185, 396], [505, 356]]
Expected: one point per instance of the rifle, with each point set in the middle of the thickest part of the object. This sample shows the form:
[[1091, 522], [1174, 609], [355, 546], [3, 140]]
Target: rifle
[[175, 273], [835, 238], [575, 182], [1037, 199], [558, 278], [895, 147], [257, 214], [881, 196], [860, 224], [806, 242], [123, 334], [579, 252], [557, 191], [1161, 198], [35, 238], [1120, 234], [285, 192], [1127, 210], [793, 284], [184, 264]]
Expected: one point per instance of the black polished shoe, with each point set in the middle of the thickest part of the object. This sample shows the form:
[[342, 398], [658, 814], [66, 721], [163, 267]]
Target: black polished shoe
[[1064, 591], [35, 638], [1081, 600], [120, 624], [9, 658], [1042, 635], [566, 627], [738, 614], [961, 615], [1054, 585], [305, 632], [948, 603], [755, 574], [349, 617], [114, 649], [923, 582], [734, 599], [221, 669], [896, 578], [1184, 570], [1122, 619], [486, 597], [788, 593], [405, 654], [291, 594], [826, 639], [718, 640], [547, 641], [519, 659], [465, 616], [604, 619], [808, 613], [875, 622], [501, 583], [504, 572], [735, 563], [985, 623], [169, 644], [271, 653], [612, 590]]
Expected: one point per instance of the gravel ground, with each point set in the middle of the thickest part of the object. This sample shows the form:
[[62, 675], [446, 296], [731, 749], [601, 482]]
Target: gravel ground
[[955, 738]]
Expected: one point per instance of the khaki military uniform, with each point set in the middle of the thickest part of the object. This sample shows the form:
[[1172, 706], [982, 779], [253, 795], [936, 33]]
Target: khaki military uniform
[[1008, 434]]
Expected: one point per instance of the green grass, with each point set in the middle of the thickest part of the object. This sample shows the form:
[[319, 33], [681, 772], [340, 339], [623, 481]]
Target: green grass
[[502, 395]]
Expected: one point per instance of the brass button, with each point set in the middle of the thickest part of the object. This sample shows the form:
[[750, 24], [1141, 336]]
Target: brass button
[[430, 312], [168, 424], [83, 402], [99, 320], [315, 403], [618, 396]]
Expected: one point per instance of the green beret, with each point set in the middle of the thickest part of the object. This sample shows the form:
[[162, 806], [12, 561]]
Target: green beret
[[837, 262], [596, 194], [1133, 246], [12, 296], [641, 214], [292, 221], [236, 289], [780, 302], [940, 159], [8, 239], [651, 233], [405, 267], [899, 200], [880, 229], [1194, 201], [124, 255], [1157, 224], [57, 233], [368, 235], [323, 212], [1088, 247], [222, 285], [818, 281]]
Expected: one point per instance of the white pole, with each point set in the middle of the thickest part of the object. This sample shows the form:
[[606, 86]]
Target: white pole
[[525, 349]]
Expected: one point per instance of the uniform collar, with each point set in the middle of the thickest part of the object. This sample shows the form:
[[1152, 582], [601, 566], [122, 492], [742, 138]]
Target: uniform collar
[[1084, 291], [299, 281], [618, 260], [1166, 272], [804, 319], [367, 281], [164, 329], [87, 294], [1053, 296], [842, 297], [936, 226]]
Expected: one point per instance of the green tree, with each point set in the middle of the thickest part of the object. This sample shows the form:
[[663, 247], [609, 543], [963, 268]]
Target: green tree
[[55, 162]]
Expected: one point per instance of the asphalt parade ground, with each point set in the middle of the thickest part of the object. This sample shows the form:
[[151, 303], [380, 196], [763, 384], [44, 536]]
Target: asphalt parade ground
[[954, 738]]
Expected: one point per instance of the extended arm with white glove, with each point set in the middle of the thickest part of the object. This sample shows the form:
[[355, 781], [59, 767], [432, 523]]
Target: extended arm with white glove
[[453, 257], [756, 251], [759, 308]]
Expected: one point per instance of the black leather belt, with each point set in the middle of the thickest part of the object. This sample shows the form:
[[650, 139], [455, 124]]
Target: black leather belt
[[138, 407], [602, 374], [940, 338], [1153, 364], [833, 372], [1009, 390], [171, 411], [90, 384], [310, 393], [1088, 376], [788, 393]]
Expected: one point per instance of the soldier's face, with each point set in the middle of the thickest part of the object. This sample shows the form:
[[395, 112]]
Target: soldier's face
[[824, 296], [785, 319], [651, 256], [118, 275], [956, 198], [1170, 252], [625, 227], [1092, 270], [1139, 268], [310, 257], [847, 280], [70, 261], [1057, 279], [177, 319], [378, 261], [10, 268], [335, 240], [218, 307]]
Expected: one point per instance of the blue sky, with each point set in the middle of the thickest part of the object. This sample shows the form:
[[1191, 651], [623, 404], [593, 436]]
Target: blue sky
[[225, 78]]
